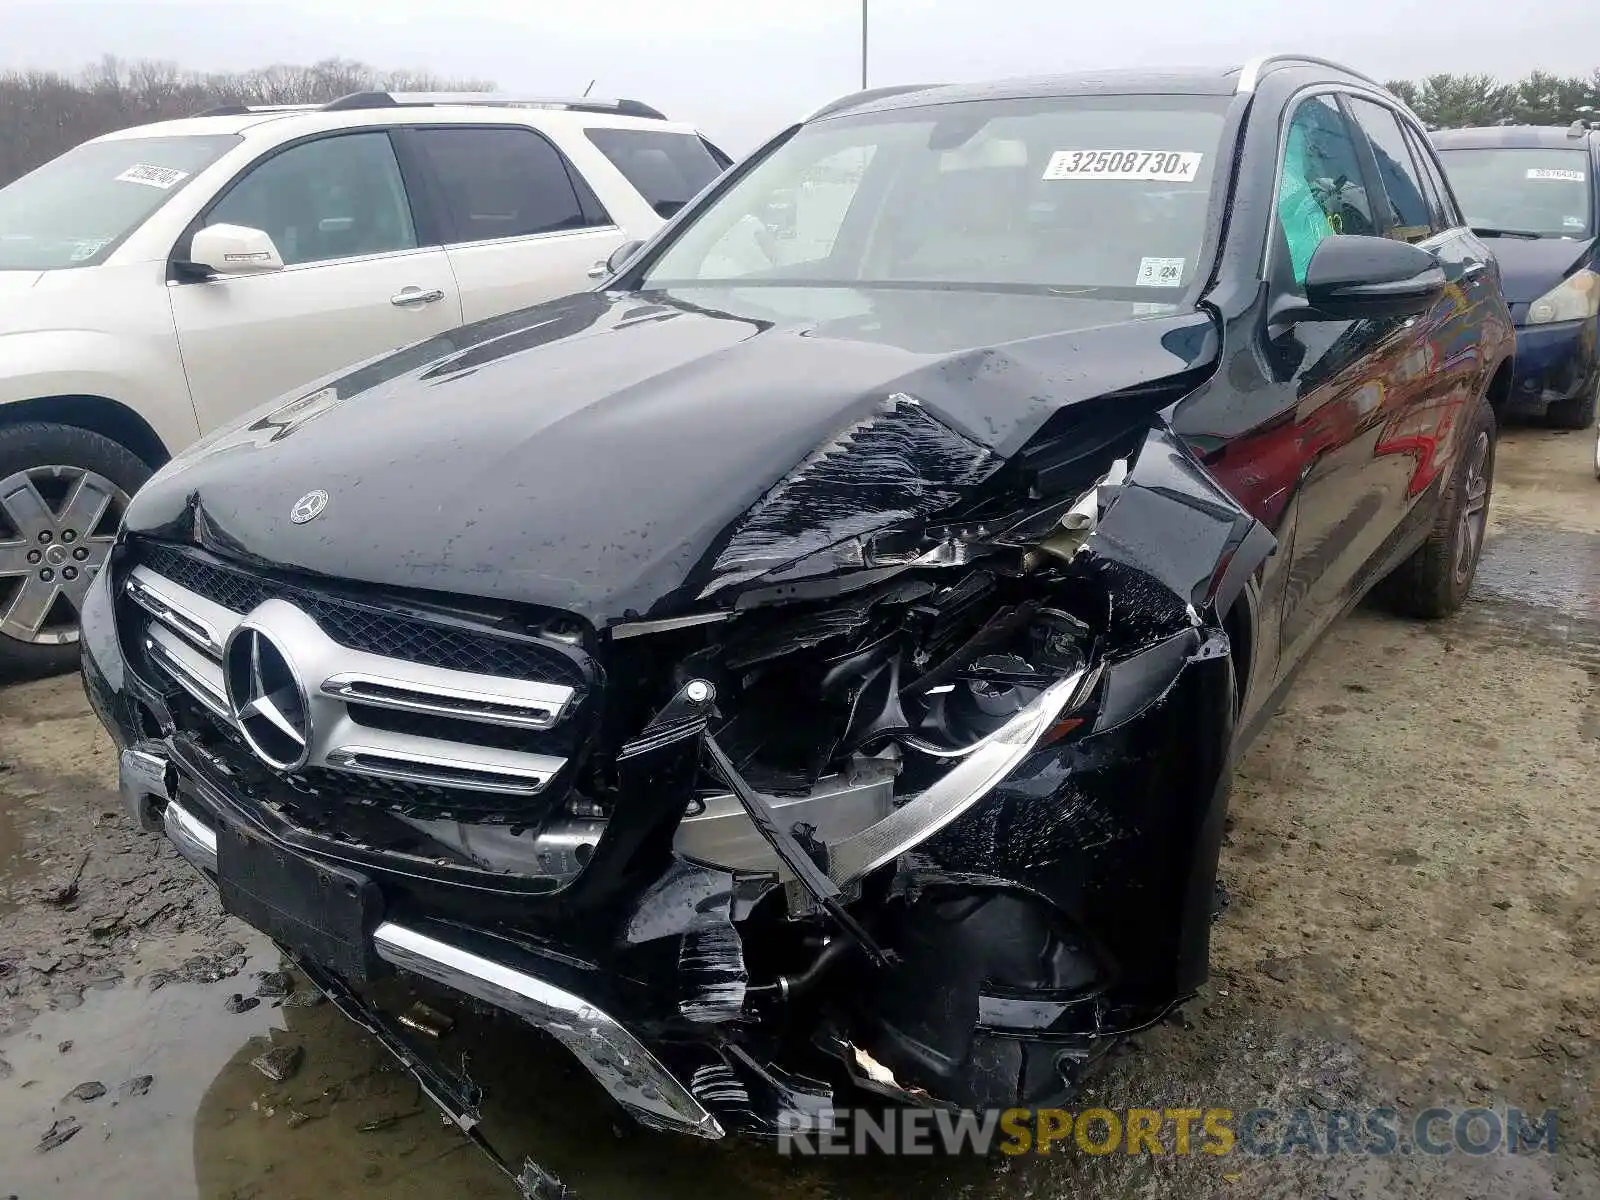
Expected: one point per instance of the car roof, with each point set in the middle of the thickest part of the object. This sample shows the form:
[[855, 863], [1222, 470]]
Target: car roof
[[281, 124], [1192, 81], [1525, 137]]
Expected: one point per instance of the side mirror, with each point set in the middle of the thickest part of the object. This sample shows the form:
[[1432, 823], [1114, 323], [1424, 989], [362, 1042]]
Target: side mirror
[[621, 255], [1353, 277], [234, 250]]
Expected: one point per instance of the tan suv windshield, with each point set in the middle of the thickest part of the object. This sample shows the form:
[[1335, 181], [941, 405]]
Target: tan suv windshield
[[73, 211]]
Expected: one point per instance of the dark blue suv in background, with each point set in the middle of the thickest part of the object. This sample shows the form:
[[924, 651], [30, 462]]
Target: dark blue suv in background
[[1533, 190]]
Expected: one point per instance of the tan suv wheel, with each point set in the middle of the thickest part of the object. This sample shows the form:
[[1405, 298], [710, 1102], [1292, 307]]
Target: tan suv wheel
[[63, 491]]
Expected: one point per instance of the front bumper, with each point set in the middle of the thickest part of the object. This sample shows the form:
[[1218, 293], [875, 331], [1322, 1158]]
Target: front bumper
[[618, 1060], [162, 794], [1554, 363]]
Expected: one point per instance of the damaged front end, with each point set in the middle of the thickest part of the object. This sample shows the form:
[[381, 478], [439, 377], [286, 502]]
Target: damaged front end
[[977, 737], [916, 782]]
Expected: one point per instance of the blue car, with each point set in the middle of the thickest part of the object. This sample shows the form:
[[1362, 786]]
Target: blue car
[[1533, 190]]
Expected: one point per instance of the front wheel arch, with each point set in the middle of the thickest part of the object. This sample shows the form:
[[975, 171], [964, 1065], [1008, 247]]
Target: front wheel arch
[[98, 414]]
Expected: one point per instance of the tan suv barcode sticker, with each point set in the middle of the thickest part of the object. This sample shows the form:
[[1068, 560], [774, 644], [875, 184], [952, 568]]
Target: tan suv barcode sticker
[[1555, 173], [156, 177], [1164, 166]]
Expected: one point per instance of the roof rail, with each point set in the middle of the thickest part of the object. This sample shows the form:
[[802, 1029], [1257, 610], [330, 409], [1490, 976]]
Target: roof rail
[[364, 100], [1250, 74], [855, 98], [244, 110]]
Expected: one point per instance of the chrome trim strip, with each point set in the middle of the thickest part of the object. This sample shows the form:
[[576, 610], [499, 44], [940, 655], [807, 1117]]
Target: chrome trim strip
[[180, 609], [190, 670], [985, 765], [141, 775], [520, 774], [192, 836], [624, 1066], [1250, 74], [663, 624], [538, 706]]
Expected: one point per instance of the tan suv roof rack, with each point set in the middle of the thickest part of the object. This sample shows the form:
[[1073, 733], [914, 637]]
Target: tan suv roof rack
[[356, 101]]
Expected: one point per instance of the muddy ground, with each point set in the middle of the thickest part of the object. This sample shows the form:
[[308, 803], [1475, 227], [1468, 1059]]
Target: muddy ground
[[1413, 864]]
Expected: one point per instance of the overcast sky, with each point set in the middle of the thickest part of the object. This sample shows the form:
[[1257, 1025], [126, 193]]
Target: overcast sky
[[743, 68]]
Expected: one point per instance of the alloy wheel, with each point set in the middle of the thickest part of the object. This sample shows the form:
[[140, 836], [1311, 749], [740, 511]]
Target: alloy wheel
[[57, 524], [1474, 508]]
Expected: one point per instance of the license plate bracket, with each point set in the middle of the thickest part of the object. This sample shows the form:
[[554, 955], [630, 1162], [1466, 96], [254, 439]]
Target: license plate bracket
[[323, 911]]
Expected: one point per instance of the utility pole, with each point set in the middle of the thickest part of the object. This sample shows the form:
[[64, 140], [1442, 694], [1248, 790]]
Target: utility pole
[[863, 45]]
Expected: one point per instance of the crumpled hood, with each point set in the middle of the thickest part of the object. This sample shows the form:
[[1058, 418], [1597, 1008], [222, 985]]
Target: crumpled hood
[[1531, 267], [596, 453]]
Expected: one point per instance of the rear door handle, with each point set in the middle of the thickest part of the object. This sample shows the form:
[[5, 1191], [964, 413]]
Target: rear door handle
[[408, 296], [1474, 269], [598, 270]]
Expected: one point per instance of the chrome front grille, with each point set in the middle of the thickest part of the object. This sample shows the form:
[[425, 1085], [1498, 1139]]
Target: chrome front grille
[[431, 643], [385, 719]]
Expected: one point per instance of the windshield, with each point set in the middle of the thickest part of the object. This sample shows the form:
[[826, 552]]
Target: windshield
[[1101, 195], [73, 211], [1538, 191]]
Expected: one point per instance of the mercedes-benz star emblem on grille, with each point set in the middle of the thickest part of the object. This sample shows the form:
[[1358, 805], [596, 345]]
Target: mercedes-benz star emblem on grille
[[268, 703], [309, 507]]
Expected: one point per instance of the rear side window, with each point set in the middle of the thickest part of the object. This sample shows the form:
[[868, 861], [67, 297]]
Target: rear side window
[[667, 169], [499, 183], [1409, 218], [1321, 189]]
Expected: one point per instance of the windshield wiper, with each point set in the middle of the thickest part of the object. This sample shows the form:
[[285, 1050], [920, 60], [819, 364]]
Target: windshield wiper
[[1492, 231]]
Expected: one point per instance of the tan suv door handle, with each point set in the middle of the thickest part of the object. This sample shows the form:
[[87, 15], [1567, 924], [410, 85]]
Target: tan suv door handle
[[406, 297]]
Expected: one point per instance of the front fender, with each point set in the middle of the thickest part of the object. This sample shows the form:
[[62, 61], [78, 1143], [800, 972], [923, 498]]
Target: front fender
[[143, 373], [1073, 902]]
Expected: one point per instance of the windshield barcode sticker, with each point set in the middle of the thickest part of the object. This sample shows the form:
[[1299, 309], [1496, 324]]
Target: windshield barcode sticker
[[1163, 166], [156, 177], [1555, 173], [1159, 272]]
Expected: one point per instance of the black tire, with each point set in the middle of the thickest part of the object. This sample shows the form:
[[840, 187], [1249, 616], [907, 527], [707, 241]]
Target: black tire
[[1577, 413], [1435, 580], [50, 460]]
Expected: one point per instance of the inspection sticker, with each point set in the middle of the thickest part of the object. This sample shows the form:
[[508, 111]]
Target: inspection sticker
[[88, 248], [156, 177], [1166, 166], [1159, 272], [1555, 173]]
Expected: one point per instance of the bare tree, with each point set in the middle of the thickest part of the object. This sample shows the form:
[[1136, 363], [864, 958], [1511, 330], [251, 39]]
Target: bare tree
[[47, 113]]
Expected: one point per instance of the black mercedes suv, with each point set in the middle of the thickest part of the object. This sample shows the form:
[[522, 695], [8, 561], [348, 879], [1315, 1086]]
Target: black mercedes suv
[[816, 656]]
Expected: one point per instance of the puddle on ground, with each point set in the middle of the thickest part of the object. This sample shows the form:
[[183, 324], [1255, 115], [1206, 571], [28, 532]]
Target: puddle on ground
[[350, 1124], [15, 869], [1552, 568], [1538, 584]]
